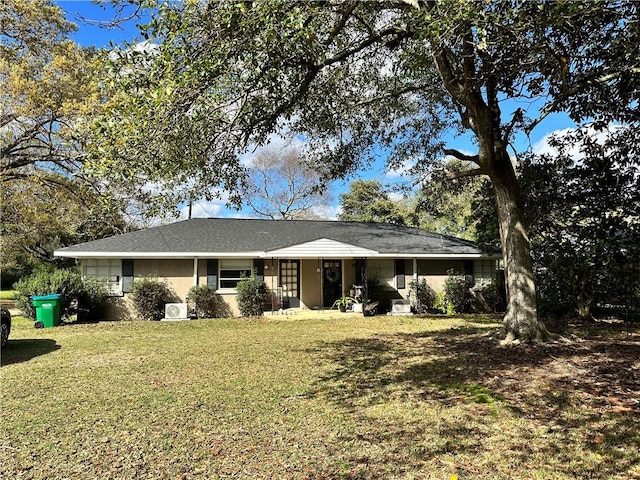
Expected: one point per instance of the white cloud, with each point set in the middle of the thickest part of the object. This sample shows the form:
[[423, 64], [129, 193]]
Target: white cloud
[[543, 147], [203, 209], [396, 196], [402, 170], [329, 212], [275, 142]]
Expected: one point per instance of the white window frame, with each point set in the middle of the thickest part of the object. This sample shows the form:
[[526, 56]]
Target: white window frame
[[232, 265], [105, 270]]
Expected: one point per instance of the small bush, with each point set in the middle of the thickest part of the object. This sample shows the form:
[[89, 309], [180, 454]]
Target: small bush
[[207, 303], [423, 297], [149, 296], [492, 295], [440, 303], [252, 295], [90, 294], [457, 293]]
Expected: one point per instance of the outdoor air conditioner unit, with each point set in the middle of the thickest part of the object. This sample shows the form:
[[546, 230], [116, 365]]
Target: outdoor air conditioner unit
[[400, 307], [176, 311]]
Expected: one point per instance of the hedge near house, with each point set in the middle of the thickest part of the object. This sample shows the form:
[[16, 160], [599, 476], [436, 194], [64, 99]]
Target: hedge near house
[[252, 295], [207, 303], [75, 292], [149, 296]]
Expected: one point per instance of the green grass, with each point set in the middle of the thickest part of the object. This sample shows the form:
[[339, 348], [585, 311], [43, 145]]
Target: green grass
[[8, 294], [323, 398]]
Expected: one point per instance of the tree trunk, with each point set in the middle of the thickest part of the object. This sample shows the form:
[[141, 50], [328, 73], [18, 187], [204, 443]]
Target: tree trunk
[[585, 300], [483, 118], [521, 320]]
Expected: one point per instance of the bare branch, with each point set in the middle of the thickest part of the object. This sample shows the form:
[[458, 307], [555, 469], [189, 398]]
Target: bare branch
[[116, 22]]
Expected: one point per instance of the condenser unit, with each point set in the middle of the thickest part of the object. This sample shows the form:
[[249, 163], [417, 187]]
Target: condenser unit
[[176, 311], [400, 307]]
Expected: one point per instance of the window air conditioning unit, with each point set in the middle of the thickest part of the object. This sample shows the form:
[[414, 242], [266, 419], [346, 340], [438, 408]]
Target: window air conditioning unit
[[176, 311]]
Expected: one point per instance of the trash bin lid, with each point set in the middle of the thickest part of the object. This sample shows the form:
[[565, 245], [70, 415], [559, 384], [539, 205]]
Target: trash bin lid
[[53, 296]]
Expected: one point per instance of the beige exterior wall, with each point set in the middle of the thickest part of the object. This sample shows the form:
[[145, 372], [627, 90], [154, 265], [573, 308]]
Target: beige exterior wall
[[310, 293], [435, 271], [179, 274], [348, 275]]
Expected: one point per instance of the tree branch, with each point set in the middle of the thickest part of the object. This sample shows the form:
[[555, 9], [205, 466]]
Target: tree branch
[[517, 117], [461, 156], [474, 172], [589, 81]]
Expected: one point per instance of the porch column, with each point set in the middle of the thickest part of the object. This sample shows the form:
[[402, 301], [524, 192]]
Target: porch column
[[365, 281], [415, 270], [320, 271], [195, 271]]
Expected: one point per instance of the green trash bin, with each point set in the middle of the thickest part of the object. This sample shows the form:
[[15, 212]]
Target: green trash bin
[[47, 309]]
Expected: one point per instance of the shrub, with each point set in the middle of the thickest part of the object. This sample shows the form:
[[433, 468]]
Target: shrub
[[90, 294], [207, 303], [556, 297], [457, 293], [423, 297], [492, 295], [252, 295], [149, 295], [440, 303]]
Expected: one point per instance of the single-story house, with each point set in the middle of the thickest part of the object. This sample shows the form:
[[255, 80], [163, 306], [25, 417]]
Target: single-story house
[[308, 263]]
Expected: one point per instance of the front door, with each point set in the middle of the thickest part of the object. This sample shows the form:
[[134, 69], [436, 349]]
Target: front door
[[331, 281], [290, 282]]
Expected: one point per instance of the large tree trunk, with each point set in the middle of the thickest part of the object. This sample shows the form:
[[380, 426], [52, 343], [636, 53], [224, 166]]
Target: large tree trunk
[[483, 118], [585, 300], [521, 320]]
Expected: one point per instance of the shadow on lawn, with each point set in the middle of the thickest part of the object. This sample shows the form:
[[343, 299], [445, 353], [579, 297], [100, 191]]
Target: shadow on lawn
[[18, 351], [588, 388]]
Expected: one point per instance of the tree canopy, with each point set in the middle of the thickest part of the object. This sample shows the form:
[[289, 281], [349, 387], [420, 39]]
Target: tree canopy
[[48, 85], [355, 77], [368, 201], [583, 204]]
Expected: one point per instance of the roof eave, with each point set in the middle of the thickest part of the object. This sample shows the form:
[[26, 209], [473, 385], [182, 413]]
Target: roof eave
[[157, 255], [255, 254]]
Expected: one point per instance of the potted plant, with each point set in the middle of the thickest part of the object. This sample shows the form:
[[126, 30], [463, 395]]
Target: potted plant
[[343, 303]]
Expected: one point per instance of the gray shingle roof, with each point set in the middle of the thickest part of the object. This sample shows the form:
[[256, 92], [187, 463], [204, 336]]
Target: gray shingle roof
[[232, 235]]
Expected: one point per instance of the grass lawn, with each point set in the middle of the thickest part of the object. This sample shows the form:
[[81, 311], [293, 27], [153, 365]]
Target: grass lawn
[[7, 294], [324, 398]]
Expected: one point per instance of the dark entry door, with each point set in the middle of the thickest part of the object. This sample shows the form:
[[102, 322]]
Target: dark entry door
[[290, 282], [331, 281]]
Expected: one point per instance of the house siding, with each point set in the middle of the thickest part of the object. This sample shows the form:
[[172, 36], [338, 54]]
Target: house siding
[[321, 248], [435, 271], [179, 275], [310, 297]]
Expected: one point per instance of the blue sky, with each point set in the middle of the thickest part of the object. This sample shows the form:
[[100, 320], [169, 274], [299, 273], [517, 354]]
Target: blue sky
[[88, 16]]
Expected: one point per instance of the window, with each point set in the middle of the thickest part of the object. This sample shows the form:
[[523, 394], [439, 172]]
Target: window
[[232, 271], [104, 270], [127, 275], [383, 270]]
